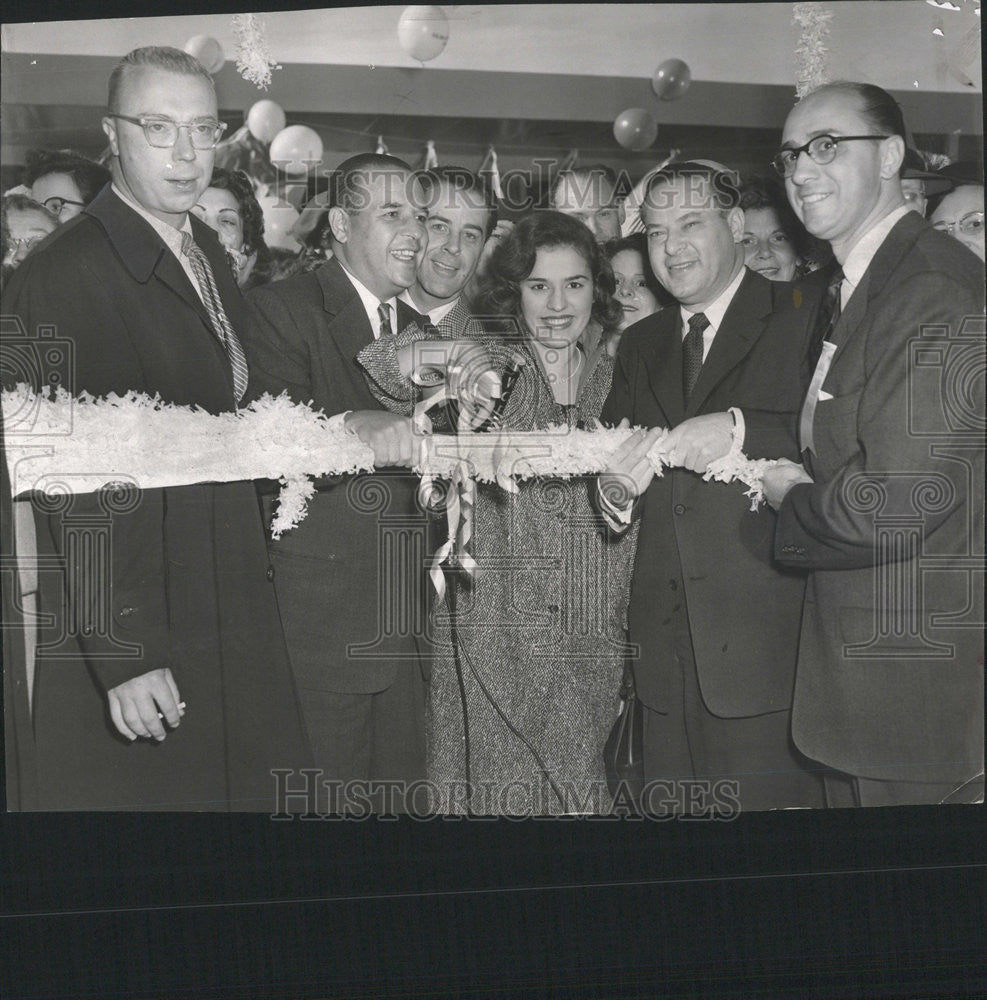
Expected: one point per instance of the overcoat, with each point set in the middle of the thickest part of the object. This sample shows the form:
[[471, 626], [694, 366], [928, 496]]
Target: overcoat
[[105, 307]]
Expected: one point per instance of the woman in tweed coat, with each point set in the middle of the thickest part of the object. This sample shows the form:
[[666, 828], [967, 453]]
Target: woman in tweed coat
[[530, 650]]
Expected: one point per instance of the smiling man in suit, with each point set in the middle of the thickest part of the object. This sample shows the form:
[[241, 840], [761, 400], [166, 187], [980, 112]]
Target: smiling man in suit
[[351, 577], [888, 511], [716, 622]]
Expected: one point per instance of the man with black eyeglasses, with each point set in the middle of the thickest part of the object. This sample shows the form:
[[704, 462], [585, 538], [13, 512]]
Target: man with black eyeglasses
[[887, 511], [162, 680]]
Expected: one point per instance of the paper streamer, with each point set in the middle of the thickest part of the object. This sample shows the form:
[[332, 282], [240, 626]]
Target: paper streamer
[[59, 444]]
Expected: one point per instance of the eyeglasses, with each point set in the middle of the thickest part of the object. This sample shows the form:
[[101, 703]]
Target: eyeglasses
[[822, 149], [162, 133], [972, 224], [55, 204]]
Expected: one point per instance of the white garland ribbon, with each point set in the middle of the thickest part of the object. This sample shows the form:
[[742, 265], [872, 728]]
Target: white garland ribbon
[[56, 443]]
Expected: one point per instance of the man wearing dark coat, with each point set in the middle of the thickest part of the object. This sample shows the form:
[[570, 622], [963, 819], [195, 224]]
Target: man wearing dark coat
[[351, 578], [716, 622], [162, 680], [887, 512]]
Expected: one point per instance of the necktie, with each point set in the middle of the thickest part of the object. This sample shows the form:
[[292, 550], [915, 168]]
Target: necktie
[[821, 356], [692, 353], [217, 314], [829, 316], [384, 312]]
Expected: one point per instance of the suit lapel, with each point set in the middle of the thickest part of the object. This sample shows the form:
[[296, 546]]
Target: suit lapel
[[896, 245], [742, 324], [347, 323], [663, 363], [145, 255]]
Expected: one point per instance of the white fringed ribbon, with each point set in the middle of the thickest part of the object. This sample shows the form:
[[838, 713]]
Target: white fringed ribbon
[[59, 444]]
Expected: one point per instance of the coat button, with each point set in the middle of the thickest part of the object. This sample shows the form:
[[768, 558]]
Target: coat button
[[679, 508], [270, 572], [553, 609]]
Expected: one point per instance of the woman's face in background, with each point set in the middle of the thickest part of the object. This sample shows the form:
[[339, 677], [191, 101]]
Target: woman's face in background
[[219, 209], [633, 293], [767, 248]]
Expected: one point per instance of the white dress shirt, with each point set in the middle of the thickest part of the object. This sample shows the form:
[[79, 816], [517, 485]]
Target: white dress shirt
[[859, 258], [371, 302]]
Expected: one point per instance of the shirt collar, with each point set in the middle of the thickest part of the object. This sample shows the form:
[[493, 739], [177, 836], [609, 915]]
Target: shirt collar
[[171, 235], [859, 258], [716, 310], [434, 315], [371, 301]]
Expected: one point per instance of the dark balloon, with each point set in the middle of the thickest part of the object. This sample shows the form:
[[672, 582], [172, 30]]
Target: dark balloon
[[635, 129], [671, 79]]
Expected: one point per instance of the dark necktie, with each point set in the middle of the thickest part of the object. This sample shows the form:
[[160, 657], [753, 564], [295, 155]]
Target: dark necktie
[[384, 312], [217, 314], [829, 316], [692, 353]]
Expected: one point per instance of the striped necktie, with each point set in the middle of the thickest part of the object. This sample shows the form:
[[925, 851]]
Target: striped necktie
[[384, 312], [692, 353], [217, 314]]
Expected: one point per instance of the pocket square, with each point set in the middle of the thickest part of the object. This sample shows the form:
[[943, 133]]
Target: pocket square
[[823, 395]]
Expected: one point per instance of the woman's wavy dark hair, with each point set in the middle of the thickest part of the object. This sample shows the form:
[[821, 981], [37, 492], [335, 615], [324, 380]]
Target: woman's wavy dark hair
[[90, 177], [239, 185], [764, 192], [499, 291], [638, 243]]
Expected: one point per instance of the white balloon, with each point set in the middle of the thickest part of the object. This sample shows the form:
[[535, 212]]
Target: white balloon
[[423, 31], [265, 119], [296, 148], [279, 217], [208, 51]]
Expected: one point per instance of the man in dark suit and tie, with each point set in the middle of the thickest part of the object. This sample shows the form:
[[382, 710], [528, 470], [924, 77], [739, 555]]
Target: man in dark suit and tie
[[888, 511], [351, 577], [162, 680], [716, 622]]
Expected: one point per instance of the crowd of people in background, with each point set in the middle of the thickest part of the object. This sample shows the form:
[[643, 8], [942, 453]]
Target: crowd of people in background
[[768, 314]]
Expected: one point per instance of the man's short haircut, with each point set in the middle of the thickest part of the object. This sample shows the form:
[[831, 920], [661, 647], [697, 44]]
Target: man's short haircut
[[717, 183], [157, 57], [593, 174], [90, 177], [460, 179], [881, 111], [351, 180]]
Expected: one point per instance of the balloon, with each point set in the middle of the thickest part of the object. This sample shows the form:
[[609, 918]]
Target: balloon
[[423, 31], [671, 79], [293, 146], [265, 119], [208, 51], [635, 129], [279, 217]]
